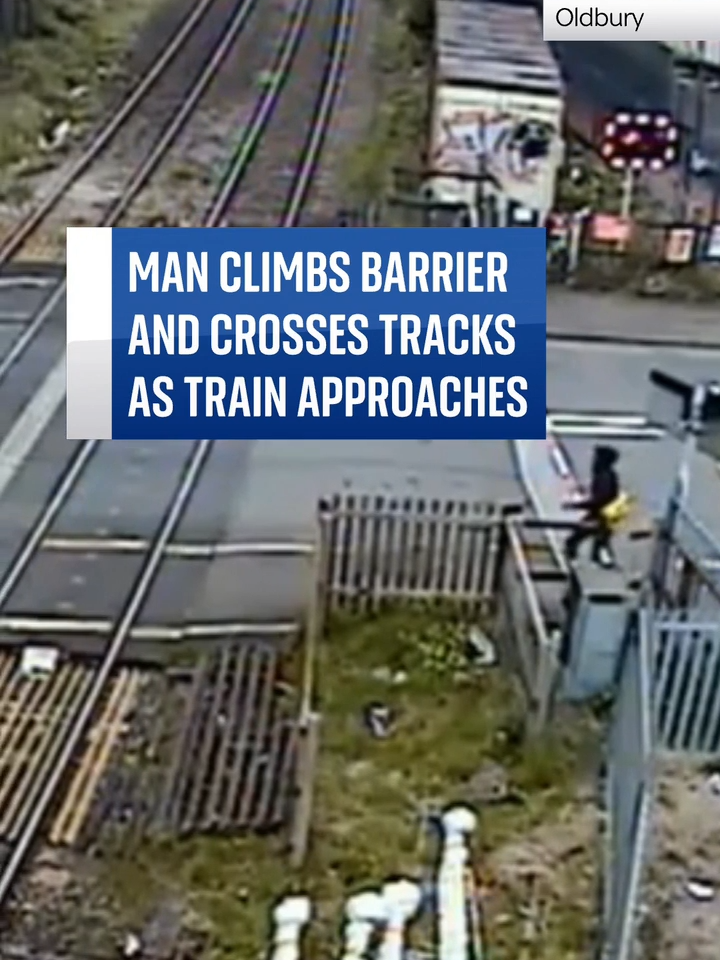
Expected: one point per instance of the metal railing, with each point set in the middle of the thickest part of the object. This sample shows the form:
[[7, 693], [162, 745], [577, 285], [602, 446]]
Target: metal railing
[[521, 624]]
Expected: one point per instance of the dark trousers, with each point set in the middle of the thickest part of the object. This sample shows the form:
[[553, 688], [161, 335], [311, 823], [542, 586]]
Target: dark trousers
[[590, 527]]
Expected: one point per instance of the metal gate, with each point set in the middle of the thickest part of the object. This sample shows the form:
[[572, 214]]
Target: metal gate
[[668, 700], [686, 666], [628, 791]]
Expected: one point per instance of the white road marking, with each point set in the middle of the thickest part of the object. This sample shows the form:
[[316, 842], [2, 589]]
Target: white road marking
[[48, 626], [617, 419], [608, 431], [191, 551], [31, 424], [707, 351], [621, 426], [33, 282], [524, 450]]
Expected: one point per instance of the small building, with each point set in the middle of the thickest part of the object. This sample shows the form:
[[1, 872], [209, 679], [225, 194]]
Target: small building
[[497, 112]]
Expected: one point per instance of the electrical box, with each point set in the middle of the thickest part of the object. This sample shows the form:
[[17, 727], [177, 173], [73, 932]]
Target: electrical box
[[598, 604]]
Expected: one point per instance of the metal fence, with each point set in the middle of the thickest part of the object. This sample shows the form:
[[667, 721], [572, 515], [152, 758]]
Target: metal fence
[[686, 684], [667, 701], [520, 627], [628, 792], [686, 565], [478, 557], [379, 550]]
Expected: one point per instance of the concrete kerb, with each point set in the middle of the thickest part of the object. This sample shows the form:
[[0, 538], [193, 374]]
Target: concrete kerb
[[673, 343]]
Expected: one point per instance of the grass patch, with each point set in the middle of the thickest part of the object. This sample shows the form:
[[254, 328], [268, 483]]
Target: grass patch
[[449, 723], [57, 75], [398, 132]]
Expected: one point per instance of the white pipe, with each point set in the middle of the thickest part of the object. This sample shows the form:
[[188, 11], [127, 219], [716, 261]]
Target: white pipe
[[290, 917], [402, 901], [454, 932], [364, 914]]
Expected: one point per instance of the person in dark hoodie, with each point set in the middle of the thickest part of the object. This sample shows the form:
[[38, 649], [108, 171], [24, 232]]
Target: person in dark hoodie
[[604, 489]]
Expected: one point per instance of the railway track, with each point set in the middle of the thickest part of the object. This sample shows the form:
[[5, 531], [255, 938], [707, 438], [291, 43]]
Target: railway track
[[19, 381], [246, 742], [275, 187], [138, 179], [207, 20]]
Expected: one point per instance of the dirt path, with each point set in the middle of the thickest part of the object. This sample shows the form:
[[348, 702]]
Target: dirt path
[[683, 899]]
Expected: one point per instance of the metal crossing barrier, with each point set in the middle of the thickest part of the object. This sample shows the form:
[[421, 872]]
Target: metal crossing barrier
[[628, 792]]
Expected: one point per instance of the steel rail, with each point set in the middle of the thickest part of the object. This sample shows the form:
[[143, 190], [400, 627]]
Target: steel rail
[[142, 173], [38, 804], [86, 449], [43, 793], [262, 113], [324, 108], [267, 103], [13, 243]]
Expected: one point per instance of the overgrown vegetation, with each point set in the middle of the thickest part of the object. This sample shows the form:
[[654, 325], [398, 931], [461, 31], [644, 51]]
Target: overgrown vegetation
[[585, 183], [452, 726], [56, 75], [399, 128]]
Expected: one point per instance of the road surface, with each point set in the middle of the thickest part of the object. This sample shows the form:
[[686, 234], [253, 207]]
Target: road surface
[[573, 313], [270, 489], [250, 491]]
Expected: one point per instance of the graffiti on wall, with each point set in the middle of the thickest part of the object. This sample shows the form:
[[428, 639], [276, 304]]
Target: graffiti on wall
[[515, 153]]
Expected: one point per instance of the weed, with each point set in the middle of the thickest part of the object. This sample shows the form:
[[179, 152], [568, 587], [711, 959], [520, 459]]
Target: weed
[[372, 795], [399, 126], [57, 75]]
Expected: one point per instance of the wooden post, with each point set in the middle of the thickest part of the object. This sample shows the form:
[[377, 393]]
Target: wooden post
[[308, 743], [307, 754], [315, 623]]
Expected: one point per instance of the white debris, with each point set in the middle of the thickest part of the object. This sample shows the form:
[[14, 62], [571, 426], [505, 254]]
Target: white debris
[[700, 890], [38, 661], [58, 138], [133, 947], [482, 647], [714, 784]]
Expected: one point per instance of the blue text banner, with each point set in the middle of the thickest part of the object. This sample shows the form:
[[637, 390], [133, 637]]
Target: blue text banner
[[306, 334]]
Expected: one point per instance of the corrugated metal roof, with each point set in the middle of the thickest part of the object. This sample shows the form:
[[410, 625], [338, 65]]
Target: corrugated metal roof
[[494, 44]]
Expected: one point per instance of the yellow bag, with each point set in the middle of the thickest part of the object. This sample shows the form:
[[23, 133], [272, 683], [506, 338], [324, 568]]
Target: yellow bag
[[618, 510]]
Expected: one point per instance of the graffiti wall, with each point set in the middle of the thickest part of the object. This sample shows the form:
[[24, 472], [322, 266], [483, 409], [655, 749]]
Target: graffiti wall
[[516, 153]]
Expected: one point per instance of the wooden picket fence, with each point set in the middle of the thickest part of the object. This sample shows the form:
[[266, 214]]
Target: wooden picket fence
[[378, 550]]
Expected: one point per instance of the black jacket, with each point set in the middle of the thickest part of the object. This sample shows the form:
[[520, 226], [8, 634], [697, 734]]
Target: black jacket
[[604, 482]]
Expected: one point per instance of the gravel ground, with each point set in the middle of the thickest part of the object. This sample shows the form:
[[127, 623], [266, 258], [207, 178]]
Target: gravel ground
[[259, 202], [353, 117], [62, 908], [685, 847], [180, 193]]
